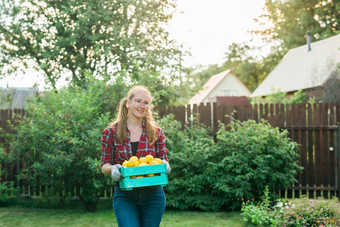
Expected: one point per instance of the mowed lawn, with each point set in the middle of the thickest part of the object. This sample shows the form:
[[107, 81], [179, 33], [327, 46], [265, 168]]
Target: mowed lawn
[[33, 217]]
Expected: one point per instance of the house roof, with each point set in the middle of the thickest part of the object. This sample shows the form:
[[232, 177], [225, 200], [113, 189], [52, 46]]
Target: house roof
[[210, 85], [15, 98], [302, 69]]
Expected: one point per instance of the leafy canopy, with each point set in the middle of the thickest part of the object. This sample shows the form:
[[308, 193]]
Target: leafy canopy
[[292, 19], [69, 38]]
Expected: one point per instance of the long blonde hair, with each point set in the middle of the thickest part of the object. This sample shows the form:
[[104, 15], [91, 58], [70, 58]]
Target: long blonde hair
[[150, 124]]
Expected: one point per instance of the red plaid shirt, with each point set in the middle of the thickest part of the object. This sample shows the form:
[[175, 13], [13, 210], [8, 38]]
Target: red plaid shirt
[[116, 153]]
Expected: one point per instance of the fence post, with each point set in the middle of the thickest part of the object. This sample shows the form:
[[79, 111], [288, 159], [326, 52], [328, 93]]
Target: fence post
[[337, 152]]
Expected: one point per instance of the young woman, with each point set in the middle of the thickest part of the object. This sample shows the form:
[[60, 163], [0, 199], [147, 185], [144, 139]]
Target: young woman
[[134, 133]]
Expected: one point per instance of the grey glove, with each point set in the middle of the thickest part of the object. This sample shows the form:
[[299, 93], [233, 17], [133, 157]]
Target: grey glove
[[115, 173], [168, 168]]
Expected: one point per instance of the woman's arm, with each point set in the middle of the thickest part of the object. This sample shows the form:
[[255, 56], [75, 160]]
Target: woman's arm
[[106, 168], [107, 152], [161, 150]]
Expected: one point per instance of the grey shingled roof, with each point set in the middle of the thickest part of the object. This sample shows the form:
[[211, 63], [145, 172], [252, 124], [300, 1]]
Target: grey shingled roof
[[15, 98], [302, 69]]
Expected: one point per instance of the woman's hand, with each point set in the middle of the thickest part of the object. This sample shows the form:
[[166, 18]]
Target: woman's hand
[[168, 168], [115, 173]]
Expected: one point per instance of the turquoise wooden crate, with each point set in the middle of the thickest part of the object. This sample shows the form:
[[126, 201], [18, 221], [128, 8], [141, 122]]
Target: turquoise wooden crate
[[128, 184]]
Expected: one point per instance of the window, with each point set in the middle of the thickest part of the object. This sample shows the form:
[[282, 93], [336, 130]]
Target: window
[[229, 93]]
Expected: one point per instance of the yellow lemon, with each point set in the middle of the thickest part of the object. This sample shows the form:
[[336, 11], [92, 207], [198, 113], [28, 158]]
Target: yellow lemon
[[158, 160], [133, 158], [149, 157], [153, 162], [150, 175], [143, 164], [130, 163], [125, 163], [136, 162], [143, 160]]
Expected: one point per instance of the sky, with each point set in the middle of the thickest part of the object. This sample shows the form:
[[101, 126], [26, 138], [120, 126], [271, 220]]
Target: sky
[[207, 27], [204, 27]]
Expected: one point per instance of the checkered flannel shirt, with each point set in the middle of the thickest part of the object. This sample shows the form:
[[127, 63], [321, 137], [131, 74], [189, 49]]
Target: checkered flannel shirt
[[116, 153]]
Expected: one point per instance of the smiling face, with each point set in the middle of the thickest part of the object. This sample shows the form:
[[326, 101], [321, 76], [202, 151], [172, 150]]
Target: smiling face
[[139, 104]]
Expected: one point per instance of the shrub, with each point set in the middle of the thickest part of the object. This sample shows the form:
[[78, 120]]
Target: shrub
[[8, 192], [306, 212], [298, 212], [58, 143], [189, 151], [257, 213], [214, 176], [249, 156]]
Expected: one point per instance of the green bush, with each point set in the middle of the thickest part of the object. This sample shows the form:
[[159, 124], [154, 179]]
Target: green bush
[[8, 193], [249, 156], [306, 212], [58, 143], [189, 151], [257, 213], [214, 176], [298, 212]]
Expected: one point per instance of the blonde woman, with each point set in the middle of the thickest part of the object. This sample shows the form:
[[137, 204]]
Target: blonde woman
[[134, 133]]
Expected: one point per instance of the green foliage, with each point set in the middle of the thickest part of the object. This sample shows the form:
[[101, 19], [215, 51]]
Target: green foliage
[[257, 213], [57, 143], [291, 20], [298, 212], [162, 89], [189, 152], [241, 60], [8, 192], [281, 97], [306, 212], [252, 155], [213, 176], [70, 38]]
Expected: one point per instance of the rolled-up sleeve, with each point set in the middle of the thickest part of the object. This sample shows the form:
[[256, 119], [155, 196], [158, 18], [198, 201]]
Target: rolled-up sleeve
[[161, 150], [107, 147]]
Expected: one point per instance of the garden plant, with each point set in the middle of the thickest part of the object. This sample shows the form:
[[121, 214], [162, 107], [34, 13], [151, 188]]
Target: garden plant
[[57, 144], [214, 175], [295, 212]]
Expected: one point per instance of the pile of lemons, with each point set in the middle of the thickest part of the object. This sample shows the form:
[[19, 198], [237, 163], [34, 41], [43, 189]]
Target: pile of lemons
[[142, 161]]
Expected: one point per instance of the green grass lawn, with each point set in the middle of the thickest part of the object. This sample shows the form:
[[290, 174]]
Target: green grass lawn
[[29, 217]]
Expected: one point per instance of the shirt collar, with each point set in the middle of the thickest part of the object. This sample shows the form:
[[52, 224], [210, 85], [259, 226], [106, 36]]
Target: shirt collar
[[143, 122]]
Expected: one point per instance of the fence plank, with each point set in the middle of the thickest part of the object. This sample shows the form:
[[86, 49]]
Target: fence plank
[[179, 112], [188, 116], [256, 112], [332, 158], [214, 115], [303, 156], [205, 116]]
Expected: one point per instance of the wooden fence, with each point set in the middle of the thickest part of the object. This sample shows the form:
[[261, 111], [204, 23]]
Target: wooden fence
[[315, 127]]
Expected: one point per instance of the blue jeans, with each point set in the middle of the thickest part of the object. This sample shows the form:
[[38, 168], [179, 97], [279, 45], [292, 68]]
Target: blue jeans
[[140, 207]]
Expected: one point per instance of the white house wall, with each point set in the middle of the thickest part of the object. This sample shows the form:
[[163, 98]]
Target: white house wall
[[230, 82]]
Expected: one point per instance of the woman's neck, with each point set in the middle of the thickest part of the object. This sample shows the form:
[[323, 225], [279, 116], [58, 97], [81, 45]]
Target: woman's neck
[[134, 122]]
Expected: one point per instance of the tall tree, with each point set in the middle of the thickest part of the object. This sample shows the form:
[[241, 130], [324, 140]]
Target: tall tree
[[292, 19], [72, 37], [248, 67]]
